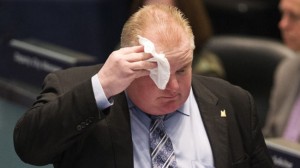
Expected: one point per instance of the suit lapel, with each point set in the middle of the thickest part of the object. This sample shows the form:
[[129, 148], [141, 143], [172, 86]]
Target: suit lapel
[[215, 125], [119, 126]]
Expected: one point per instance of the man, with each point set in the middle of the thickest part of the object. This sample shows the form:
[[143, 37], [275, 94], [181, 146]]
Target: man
[[285, 94], [290, 23], [86, 117]]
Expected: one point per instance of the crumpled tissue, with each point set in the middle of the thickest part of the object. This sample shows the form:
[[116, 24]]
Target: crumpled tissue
[[161, 74]]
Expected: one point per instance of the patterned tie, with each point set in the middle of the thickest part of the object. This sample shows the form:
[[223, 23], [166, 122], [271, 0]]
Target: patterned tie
[[162, 153]]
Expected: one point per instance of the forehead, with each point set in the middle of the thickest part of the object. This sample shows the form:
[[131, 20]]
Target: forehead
[[172, 40], [179, 55], [180, 58], [293, 5], [175, 50]]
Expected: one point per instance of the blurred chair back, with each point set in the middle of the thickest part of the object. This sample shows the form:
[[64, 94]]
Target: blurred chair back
[[244, 17], [250, 62]]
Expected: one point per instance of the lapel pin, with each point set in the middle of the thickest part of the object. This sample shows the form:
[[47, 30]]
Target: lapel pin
[[223, 113]]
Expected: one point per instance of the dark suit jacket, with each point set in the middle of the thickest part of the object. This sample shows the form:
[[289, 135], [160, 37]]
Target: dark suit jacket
[[64, 126]]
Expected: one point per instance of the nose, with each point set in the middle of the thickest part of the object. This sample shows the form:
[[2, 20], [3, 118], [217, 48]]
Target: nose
[[284, 21], [173, 84]]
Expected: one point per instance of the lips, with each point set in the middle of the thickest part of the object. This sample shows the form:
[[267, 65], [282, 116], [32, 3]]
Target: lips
[[171, 96]]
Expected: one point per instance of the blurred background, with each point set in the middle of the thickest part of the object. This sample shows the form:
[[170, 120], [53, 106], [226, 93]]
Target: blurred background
[[41, 36]]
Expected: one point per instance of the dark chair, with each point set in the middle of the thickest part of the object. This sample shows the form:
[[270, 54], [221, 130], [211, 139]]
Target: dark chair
[[244, 17], [250, 62]]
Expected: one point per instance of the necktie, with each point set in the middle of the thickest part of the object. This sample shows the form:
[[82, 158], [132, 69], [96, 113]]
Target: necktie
[[292, 131], [161, 149]]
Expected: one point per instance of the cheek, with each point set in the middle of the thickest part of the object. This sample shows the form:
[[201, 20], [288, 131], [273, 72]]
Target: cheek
[[143, 93], [294, 28], [145, 84], [142, 88], [297, 28], [186, 79]]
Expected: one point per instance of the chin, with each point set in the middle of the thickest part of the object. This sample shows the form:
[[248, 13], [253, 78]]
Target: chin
[[163, 110], [171, 108], [163, 113]]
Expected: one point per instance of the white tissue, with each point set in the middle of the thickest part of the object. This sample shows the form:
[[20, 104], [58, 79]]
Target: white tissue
[[161, 74]]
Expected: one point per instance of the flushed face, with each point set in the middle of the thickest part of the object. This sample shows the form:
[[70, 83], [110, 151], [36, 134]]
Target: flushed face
[[145, 94]]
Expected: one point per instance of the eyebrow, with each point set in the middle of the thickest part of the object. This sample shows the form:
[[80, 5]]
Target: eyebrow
[[186, 65]]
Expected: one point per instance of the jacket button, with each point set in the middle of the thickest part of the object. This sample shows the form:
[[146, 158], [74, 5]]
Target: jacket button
[[83, 124], [88, 121], [79, 127]]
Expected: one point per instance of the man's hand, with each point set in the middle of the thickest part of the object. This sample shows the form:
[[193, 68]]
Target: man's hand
[[122, 67]]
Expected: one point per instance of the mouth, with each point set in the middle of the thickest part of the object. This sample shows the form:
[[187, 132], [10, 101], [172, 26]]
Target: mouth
[[171, 96]]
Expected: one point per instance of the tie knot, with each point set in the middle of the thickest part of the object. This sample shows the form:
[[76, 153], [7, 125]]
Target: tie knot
[[156, 120], [157, 117]]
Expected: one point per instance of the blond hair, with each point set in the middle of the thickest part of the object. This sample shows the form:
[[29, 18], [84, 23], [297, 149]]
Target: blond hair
[[167, 23]]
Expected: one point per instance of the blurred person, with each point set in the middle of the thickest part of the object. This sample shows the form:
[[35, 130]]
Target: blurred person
[[100, 116], [205, 62], [289, 24], [284, 113]]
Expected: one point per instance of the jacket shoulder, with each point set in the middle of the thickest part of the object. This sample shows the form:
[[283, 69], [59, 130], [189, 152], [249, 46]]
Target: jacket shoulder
[[217, 86]]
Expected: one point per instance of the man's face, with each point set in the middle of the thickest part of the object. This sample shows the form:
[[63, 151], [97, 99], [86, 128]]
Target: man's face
[[145, 94], [290, 23]]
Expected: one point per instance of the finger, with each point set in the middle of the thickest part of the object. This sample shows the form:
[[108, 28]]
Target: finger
[[135, 57], [133, 49], [142, 73], [142, 65]]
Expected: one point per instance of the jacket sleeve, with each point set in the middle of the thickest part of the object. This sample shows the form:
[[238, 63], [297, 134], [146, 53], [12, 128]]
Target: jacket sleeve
[[256, 146], [55, 121]]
